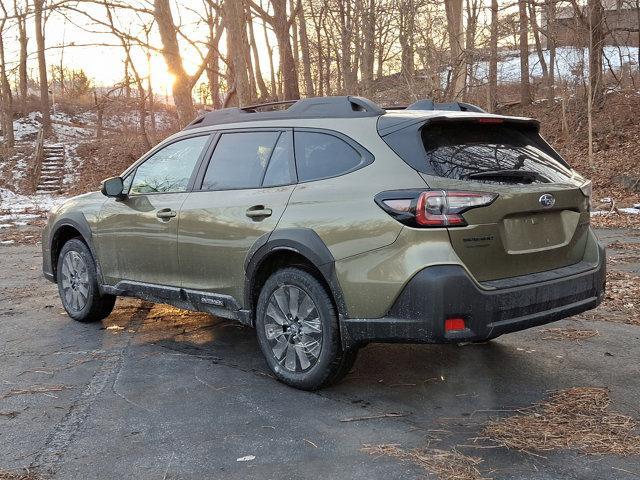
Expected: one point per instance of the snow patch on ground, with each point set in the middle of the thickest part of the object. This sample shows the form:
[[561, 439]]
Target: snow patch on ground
[[26, 128], [20, 169], [72, 163], [17, 207], [571, 63]]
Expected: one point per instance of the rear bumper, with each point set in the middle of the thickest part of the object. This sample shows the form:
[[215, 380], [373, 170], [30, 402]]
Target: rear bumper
[[492, 309]]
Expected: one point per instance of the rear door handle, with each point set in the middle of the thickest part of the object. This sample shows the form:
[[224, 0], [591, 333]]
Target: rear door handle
[[166, 213], [259, 211]]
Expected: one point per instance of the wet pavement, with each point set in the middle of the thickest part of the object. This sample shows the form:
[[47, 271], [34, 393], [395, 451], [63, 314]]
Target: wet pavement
[[153, 392]]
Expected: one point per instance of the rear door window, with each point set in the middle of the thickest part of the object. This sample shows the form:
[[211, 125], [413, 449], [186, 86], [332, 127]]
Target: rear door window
[[240, 160], [490, 152], [322, 155], [281, 169]]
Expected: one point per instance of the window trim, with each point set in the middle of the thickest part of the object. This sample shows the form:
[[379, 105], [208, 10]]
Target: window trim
[[366, 156], [133, 168], [292, 163], [204, 166]]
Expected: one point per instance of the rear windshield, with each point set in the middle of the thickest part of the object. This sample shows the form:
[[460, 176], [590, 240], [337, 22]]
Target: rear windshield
[[491, 153]]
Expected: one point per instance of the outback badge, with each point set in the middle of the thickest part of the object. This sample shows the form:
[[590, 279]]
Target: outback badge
[[547, 200]]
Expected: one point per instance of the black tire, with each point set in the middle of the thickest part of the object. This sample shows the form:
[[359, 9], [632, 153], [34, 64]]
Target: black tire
[[93, 306], [332, 363]]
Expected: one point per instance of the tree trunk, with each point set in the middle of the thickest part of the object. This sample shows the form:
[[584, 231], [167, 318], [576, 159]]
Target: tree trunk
[[99, 114], [551, 45], [42, 68], [406, 34], [346, 25], [152, 110], [5, 95], [306, 59], [182, 85], [470, 42], [295, 45], [235, 24], [493, 58], [272, 69], [536, 36], [213, 76], [22, 63], [525, 87], [596, 44], [280, 23], [262, 87], [246, 51], [454, 27], [127, 82], [368, 50]]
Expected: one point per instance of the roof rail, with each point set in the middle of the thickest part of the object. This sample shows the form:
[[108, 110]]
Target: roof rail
[[316, 107], [268, 105], [428, 104]]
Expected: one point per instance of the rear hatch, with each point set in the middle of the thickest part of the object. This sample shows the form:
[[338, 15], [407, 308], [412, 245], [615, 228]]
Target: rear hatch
[[540, 217]]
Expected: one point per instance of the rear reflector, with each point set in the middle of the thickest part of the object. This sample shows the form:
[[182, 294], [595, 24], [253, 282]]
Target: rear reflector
[[454, 325]]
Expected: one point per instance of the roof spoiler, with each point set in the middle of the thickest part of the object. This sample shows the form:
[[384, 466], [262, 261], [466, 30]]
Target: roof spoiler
[[428, 104]]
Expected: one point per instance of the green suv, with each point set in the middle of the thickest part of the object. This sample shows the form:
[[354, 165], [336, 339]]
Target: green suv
[[334, 223]]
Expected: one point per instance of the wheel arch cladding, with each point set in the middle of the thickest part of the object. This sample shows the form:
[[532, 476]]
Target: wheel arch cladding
[[73, 226], [289, 247]]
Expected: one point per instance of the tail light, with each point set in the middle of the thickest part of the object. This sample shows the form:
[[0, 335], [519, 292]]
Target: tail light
[[432, 208]]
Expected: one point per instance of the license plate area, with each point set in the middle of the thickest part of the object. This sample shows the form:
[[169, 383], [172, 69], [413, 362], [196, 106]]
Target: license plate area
[[532, 232]]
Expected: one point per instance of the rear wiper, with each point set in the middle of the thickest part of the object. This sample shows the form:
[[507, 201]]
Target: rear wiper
[[505, 175]]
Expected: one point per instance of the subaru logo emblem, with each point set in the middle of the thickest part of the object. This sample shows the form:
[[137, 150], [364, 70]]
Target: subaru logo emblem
[[547, 200]]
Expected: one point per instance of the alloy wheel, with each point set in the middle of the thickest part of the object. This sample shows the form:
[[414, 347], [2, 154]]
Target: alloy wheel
[[75, 281], [293, 328]]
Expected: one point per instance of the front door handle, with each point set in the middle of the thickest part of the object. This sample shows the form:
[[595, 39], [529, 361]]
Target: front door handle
[[258, 212], [166, 213]]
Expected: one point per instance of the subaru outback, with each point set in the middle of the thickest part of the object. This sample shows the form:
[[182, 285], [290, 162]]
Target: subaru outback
[[333, 223]]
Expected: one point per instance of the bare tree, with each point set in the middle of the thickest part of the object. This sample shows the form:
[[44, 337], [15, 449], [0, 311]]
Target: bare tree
[[184, 83], [281, 22], [406, 32], [20, 11], [535, 28], [142, 94], [550, 6], [45, 104], [493, 58], [369, 47], [596, 46], [306, 55], [525, 86], [457, 79], [262, 87], [235, 22], [473, 12], [5, 86]]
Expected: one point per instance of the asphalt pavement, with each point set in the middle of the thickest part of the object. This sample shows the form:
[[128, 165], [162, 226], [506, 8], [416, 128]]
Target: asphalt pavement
[[157, 393]]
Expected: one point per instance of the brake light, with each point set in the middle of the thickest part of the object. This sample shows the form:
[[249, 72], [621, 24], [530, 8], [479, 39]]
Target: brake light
[[490, 120], [432, 208]]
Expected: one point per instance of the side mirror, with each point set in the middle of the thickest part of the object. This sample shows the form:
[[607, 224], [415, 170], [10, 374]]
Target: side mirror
[[112, 187]]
